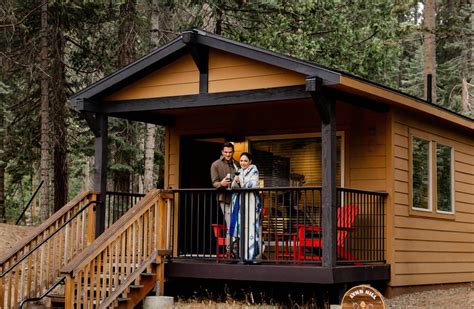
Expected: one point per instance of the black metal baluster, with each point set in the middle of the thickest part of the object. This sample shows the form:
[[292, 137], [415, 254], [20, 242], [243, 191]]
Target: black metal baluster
[[242, 228]]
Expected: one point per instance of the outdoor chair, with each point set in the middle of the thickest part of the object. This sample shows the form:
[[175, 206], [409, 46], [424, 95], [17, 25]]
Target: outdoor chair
[[220, 231], [310, 241]]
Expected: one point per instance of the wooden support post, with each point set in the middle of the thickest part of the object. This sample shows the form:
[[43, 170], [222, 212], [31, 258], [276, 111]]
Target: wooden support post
[[327, 109], [161, 238], [91, 220], [100, 183], [2, 289], [69, 292], [200, 54]]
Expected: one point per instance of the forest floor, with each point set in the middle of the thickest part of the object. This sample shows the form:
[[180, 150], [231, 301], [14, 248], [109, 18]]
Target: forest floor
[[460, 297]]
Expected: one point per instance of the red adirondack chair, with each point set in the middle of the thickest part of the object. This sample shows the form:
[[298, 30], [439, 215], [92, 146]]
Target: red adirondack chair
[[345, 219], [220, 231]]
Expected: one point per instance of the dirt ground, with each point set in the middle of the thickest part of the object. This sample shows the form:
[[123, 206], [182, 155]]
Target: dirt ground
[[11, 234], [454, 298]]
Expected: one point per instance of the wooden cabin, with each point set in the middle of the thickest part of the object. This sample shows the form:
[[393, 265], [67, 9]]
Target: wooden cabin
[[384, 178]]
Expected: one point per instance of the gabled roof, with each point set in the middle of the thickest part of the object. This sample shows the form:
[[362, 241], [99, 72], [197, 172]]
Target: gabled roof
[[180, 45], [337, 80]]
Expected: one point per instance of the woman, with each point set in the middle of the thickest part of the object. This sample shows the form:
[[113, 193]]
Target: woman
[[246, 177]]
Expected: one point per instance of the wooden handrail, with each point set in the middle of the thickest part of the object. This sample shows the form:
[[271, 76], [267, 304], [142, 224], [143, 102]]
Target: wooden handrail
[[43, 226], [107, 237], [31, 267], [119, 255]]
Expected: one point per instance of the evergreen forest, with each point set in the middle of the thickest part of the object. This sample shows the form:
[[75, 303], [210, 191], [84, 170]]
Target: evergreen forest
[[50, 49]]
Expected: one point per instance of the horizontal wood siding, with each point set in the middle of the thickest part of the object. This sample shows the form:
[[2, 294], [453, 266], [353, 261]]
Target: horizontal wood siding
[[171, 160], [228, 72], [367, 149], [180, 77], [431, 250]]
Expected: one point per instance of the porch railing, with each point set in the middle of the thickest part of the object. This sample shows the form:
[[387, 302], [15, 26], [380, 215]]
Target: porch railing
[[117, 204], [289, 228]]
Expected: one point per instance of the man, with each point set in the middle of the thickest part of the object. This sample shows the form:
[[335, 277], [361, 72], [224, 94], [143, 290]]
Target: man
[[220, 169]]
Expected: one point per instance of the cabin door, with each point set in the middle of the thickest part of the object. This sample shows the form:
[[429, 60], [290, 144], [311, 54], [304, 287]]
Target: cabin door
[[197, 211], [196, 159]]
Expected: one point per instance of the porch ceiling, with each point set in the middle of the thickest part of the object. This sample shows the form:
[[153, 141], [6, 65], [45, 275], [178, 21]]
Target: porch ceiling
[[278, 273]]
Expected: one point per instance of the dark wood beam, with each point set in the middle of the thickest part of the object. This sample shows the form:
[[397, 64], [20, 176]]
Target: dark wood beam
[[314, 87], [326, 106], [91, 121], [199, 100], [100, 182], [200, 54], [329, 194], [147, 117], [84, 105], [357, 100]]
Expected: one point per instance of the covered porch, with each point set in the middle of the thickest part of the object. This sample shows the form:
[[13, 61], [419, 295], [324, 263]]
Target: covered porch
[[321, 150]]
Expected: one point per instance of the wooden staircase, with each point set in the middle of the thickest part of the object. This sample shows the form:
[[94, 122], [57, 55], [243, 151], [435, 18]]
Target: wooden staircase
[[31, 267], [116, 270], [125, 262]]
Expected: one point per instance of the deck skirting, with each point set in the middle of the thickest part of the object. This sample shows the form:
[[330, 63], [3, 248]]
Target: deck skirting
[[277, 273]]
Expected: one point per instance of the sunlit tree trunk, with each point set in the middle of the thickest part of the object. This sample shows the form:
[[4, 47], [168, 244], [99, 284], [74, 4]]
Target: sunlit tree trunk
[[159, 16], [45, 125], [149, 156], [127, 40], [429, 45]]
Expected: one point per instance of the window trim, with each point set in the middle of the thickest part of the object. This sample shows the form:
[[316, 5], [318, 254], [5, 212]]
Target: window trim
[[433, 207]]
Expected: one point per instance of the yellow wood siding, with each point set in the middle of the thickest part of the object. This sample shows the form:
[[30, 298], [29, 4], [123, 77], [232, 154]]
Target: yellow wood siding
[[367, 147], [180, 77], [228, 72], [430, 249]]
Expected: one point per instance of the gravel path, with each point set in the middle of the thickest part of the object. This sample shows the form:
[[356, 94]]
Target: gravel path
[[454, 298]]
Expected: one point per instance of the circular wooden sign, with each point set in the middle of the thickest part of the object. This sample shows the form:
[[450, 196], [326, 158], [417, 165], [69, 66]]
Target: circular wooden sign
[[362, 297]]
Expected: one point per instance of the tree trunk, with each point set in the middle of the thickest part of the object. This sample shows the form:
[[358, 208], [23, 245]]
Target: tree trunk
[[59, 101], [149, 156], [429, 46], [125, 130], [3, 217], [160, 18], [127, 32], [45, 125]]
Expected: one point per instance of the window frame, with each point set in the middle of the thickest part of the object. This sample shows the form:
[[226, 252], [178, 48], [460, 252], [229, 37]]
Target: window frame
[[432, 210]]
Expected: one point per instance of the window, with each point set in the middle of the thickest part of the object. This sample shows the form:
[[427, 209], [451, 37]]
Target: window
[[444, 181], [431, 175], [292, 162], [421, 173]]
